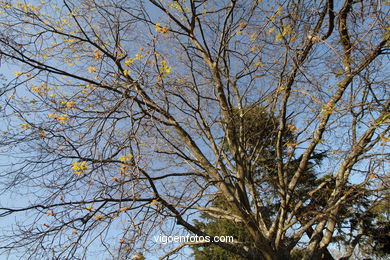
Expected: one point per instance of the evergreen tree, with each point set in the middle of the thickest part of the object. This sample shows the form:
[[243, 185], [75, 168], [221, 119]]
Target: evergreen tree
[[257, 128]]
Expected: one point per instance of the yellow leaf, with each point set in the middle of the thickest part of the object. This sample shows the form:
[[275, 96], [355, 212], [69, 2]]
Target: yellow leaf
[[154, 202], [99, 217], [62, 119], [42, 134], [49, 213], [79, 167], [253, 37], [165, 70], [25, 126], [243, 24], [125, 158], [91, 69], [126, 73], [69, 104], [123, 209], [286, 30], [258, 64], [292, 128], [129, 62], [278, 37], [124, 169], [163, 30], [96, 54]]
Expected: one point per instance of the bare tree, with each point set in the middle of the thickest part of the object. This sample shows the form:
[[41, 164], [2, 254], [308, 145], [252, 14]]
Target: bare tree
[[118, 123]]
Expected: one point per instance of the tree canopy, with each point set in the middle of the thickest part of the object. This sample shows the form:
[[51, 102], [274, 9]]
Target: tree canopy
[[127, 120]]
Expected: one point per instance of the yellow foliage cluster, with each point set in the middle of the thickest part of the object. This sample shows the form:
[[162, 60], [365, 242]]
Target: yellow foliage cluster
[[125, 158], [42, 134], [286, 30], [123, 209], [99, 217], [130, 61], [258, 64], [79, 167], [165, 69], [26, 7], [25, 126], [160, 29], [43, 89], [91, 70], [5, 5], [291, 144], [97, 55], [154, 202], [62, 119], [126, 161], [49, 213], [292, 128], [243, 24], [175, 5], [126, 72], [253, 37], [68, 104]]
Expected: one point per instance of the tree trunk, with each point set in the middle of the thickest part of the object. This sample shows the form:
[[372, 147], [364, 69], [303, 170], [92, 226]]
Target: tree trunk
[[255, 254]]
